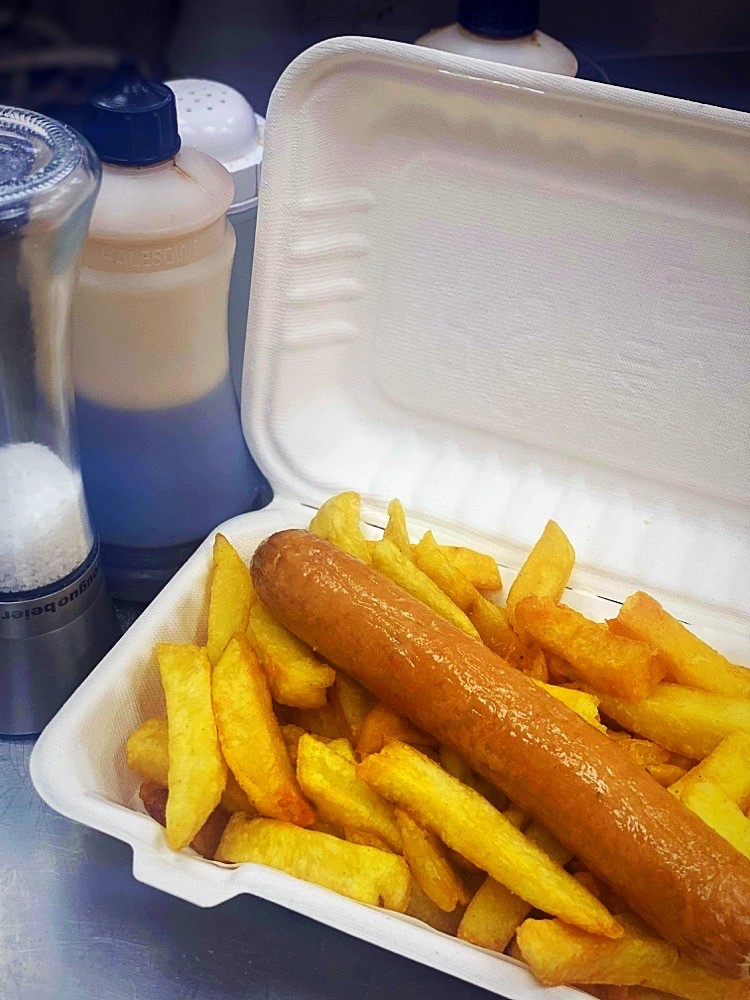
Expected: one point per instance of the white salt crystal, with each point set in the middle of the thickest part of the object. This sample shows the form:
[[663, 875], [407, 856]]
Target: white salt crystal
[[44, 528]]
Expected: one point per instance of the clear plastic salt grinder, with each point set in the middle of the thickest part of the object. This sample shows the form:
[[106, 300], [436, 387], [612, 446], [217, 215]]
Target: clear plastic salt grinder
[[56, 621]]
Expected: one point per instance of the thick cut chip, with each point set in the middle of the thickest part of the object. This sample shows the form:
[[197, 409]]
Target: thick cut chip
[[232, 594], [435, 564], [251, 738], [382, 726], [338, 521], [422, 908], [296, 677], [467, 823], [711, 803], [291, 735], [396, 530], [559, 954], [494, 913], [491, 622], [362, 873], [666, 774], [728, 766], [154, 798], [456, 765], [197, 772], [644, 752], [366, 839], [612, 664], [322, 722], [351, 703], [688, 659], [478, 568], [340, 796], [492, 916], [681, 719], [394, 564], [148, 757], [148, 751], [581, 702], [343, 748], [429, 864], [546, 571]]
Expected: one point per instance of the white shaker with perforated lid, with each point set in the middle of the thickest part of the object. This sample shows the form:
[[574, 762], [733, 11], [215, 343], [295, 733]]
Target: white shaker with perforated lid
[[219, 121]]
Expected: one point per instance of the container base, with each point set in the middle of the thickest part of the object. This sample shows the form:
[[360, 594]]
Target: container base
[[48, 645]]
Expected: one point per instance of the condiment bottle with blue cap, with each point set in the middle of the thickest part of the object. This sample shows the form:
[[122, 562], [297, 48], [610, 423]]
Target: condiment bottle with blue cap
[[163, 455], [503, 31]]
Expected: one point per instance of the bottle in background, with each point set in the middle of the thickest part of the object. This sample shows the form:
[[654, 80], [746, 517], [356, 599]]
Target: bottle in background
[[219, 121], [503, 31], [163, 455]]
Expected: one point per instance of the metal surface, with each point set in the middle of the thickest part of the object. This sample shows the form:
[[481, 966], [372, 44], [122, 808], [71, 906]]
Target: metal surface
[[75, 925]]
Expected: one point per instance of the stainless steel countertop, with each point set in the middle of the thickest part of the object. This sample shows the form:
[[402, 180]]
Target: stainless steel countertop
[[75, 925]]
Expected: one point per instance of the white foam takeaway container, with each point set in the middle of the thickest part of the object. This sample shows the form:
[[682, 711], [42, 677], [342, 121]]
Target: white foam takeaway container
[[501, 296]]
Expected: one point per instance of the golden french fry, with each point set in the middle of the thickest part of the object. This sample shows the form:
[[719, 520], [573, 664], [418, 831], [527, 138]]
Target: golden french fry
[[394, 564], [728, 766], [396, 530], [530, 660], [322, 722], [494, 913], [148, 757], [666, 774], [366, 840], [546, 571], [251, 738], [561, 954], [148, 752], [455, 764], [154, 798], [688, 659], [197, 771], [491, 622], [291, 736], [558, 669], [479, 569], [492, 916], [467, 823], [234, 800], [231, 596], [625, 668], [296, 677], [644, 752], [338, 521], [428, 863], [711, 803], [362, 873], [681, 719], [351, 703], [422, 908], [435, 564], [340, 796], [382, 726], [343, 748], [516, 816], [581, 702]]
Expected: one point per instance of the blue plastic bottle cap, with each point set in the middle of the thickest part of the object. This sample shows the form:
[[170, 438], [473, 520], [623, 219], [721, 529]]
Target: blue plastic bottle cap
[[131, 121], [499, 18]]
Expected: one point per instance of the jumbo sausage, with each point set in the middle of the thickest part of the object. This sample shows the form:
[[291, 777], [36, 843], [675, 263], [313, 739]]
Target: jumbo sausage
[[681, 877]]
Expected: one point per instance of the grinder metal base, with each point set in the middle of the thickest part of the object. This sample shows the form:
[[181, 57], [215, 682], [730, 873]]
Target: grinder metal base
[[50, 639]]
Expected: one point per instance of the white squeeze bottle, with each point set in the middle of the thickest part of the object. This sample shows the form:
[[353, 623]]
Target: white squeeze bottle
[[162, 452], [503, 31]]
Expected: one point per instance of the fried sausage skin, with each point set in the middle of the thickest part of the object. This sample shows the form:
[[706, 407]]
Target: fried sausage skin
[[682, 878]]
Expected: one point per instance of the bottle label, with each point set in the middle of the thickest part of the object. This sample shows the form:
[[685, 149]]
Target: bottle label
[[154, 255]]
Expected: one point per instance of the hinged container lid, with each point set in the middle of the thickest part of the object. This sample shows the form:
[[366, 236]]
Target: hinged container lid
[[505, 296]]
